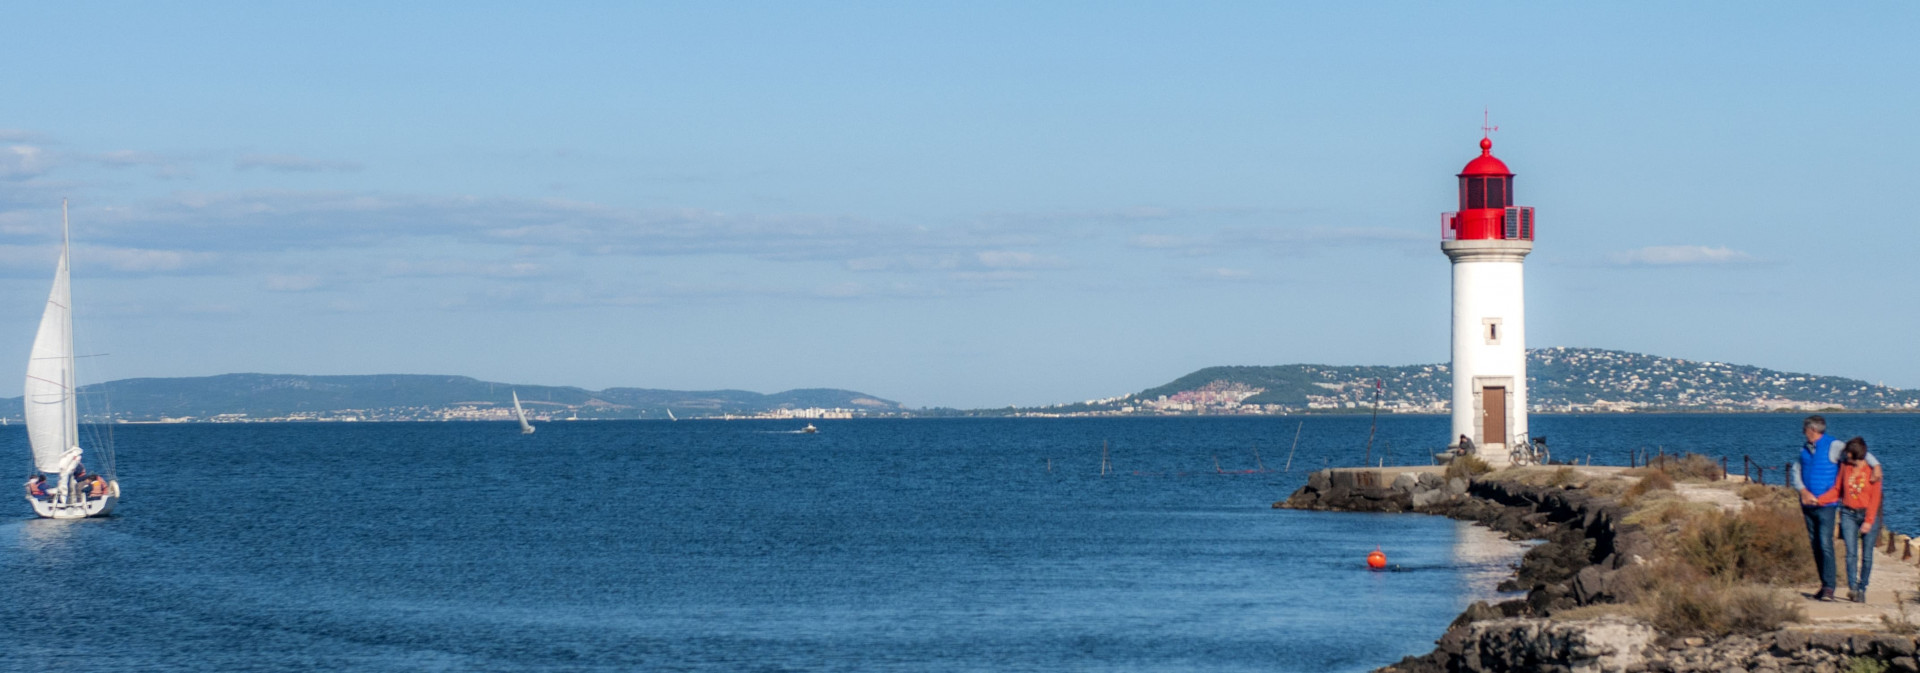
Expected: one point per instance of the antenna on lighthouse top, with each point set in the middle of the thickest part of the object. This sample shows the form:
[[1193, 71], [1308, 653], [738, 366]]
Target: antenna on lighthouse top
[[1486, 125]]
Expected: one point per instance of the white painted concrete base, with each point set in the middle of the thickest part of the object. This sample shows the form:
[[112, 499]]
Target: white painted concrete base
[[1495, 454]]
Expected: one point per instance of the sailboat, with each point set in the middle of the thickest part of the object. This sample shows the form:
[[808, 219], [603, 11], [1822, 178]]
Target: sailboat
[[53, 419], [670, 415], [525, 427]]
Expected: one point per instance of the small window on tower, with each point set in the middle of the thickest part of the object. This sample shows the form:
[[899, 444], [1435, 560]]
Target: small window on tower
[[1492, 329]]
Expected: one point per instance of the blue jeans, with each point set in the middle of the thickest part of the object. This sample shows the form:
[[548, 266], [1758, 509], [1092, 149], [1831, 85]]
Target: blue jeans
[[1820, 532], [1849, 522]]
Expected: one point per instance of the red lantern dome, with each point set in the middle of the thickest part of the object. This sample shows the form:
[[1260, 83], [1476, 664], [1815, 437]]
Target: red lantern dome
[[1486, 163], [1486, 203]]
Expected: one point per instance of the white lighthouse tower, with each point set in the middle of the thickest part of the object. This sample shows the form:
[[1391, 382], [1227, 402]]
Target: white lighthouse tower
[[1488, 240]]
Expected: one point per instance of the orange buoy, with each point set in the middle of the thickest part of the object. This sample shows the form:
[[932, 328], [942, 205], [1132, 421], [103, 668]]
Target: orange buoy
[[1377, 560]]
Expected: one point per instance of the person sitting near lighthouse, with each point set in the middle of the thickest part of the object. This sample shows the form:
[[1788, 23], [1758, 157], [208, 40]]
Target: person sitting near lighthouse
[[1816, 472], [1858, 492]]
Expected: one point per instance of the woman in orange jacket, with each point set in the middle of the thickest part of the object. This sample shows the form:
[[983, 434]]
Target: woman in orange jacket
[[1858, 492]]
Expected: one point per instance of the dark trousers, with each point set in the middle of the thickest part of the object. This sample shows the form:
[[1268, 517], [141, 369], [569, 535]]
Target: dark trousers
[[1820, 522]]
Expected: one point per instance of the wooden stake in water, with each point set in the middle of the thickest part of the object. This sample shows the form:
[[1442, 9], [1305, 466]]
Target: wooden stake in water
[[1256, 458], [1296, 445], [1106, 464], [1377, 388]]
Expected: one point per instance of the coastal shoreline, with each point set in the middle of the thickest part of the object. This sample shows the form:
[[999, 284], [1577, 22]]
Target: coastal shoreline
[[1585, 563]]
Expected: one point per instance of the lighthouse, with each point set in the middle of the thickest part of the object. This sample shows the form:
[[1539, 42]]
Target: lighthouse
[[1488, 240]]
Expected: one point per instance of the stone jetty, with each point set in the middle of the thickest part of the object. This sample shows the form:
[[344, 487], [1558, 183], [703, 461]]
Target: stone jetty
[[1586, 609]]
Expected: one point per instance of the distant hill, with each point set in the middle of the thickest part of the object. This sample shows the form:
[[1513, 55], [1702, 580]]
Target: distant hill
[[1558, 379], [425, 397]]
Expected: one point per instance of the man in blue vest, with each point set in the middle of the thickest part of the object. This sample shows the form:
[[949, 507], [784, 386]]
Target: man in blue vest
[[1812, 475]]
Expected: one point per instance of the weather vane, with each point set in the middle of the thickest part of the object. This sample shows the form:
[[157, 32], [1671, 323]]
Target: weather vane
[[1486, 124]]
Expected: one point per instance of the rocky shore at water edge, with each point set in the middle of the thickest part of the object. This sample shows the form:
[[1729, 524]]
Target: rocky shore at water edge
[[1587, 604]]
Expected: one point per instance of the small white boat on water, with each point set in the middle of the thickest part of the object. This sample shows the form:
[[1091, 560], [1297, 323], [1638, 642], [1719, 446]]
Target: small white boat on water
[[525, 427], [670, 415], [53, 418], [809, 429]]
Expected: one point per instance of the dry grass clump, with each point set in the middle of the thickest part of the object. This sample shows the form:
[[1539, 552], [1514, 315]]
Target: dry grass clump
[[1609, 487], [1664, 508], [1536, 475], [1756, 491], [1690, 467], [1775, 497], [1467, 467], [1650, 480], [1565, 476], [1721, 575], [1711, 608], [1761, 543]]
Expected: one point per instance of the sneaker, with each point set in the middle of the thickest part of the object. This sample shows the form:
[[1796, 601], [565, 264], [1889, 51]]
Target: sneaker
[[1824, 594], [1859, 596], [1853, 596]]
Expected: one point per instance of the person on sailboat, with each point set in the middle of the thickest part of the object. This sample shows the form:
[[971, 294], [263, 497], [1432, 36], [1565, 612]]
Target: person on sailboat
[[36, 487], [97, 487]]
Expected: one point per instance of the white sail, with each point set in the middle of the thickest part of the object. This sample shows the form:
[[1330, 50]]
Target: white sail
[[525, 427], [52, 424]]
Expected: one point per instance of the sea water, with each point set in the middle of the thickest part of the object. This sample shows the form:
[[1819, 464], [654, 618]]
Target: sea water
[[908, 545]]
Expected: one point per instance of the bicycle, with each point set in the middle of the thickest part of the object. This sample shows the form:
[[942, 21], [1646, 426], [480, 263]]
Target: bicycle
[[1529, 450]]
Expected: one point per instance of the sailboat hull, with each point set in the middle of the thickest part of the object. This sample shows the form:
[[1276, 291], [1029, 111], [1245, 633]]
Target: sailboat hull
[[78, 510], [526, 429]]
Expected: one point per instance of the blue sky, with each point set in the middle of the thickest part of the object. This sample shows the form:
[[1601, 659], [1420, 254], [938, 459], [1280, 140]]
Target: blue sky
[[962, 204]]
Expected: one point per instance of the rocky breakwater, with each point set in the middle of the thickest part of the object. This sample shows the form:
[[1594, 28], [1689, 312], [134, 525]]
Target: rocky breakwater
[[1601, 593], [1585, 546]]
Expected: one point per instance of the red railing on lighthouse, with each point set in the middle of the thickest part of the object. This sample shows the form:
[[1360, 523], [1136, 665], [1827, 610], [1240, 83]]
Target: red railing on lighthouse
[[1512, 223]]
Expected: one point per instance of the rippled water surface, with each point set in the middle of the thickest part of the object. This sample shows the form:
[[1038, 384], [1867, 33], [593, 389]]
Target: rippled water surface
[[913, 545]]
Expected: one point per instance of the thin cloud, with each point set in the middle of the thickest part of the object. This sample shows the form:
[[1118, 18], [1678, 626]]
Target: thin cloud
[[292, 283], [458, 267], [1680, 255], [288, 163], [1222, 274], [36, 260], [20, 162], [163, 167]]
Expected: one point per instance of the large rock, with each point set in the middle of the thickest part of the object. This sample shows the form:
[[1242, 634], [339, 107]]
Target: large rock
[[1429, 498], [1605, 645]]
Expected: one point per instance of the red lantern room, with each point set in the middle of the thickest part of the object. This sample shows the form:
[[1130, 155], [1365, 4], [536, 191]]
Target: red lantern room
[[1486, 203]]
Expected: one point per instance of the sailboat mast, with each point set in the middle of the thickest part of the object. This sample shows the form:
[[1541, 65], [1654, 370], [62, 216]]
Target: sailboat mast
[[72, 427]]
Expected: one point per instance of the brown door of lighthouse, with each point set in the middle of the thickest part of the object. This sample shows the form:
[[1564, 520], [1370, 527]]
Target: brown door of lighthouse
[[1493, 426]]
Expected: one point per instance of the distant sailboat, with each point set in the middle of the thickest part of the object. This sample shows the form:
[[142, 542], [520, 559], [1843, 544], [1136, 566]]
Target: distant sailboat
[[53, 419], [670, 415], [525, 427]]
